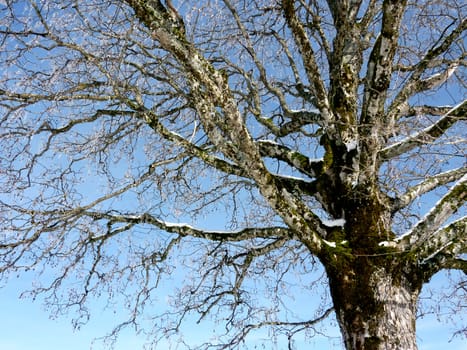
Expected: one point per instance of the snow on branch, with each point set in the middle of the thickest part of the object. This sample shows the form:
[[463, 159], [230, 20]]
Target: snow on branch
[[310, 167], [412, 111], [153, 121], [428, 185], [334, 223], [183, 229], [425, 232], [425, 136], [415, 83], [299, 118], [444, 248]]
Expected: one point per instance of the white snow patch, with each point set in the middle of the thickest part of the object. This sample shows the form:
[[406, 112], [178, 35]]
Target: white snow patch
[[351, 145], [334, 223], [175, 225], [431, 256], [270, 142], [290, 177], [387, 244], [311, 110], [406, 234], [331, 244]]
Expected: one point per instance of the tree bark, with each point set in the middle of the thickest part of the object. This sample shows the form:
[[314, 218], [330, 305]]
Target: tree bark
[[375, 304]]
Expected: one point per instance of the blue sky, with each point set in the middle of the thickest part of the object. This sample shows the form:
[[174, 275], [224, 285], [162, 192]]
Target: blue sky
[[26, 325]]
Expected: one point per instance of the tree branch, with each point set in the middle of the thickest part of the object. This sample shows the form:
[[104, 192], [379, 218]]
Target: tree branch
[[427, 185], [68, 95], [442, 250], [310, 167], [427, 135], [224, 125], [380, 65], [187, 230], [415, 83], [373, 121], [314, 22], [455, 264], [308, 56], [204, 154], [294, 327], [346, 63], [261, 69], [423, 234], [434, 111], [369, 15]]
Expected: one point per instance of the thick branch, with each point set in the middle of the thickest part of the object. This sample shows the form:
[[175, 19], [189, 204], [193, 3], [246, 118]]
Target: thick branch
[[374, 123], [298, 119], [442, 250], [428, 185], [187, 230], [412, 111], [380, 63], [455, 264], [415, 83], [224, 125], [308, 56], [423, 233], [346, 62], [427, 135], [310, 167]]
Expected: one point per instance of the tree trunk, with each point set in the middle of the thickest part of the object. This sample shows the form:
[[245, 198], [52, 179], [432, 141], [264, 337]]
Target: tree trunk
[[375, 308]]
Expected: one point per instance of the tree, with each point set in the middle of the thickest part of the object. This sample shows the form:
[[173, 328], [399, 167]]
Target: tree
[[323, 129]]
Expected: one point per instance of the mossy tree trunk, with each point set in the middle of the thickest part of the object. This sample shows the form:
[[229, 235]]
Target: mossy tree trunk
[[374, 287], [375, 306]]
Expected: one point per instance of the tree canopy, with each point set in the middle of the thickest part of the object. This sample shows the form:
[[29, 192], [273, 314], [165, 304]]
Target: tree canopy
[[324, 133]]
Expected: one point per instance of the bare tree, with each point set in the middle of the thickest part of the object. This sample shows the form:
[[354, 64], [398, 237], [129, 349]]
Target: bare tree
[[325, 133]]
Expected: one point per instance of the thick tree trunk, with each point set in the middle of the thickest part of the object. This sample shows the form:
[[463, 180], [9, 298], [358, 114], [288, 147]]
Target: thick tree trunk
[[376, 309]]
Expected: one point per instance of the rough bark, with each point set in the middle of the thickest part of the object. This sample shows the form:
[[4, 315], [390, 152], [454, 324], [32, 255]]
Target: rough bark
[[376, 308], [374, 293]]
